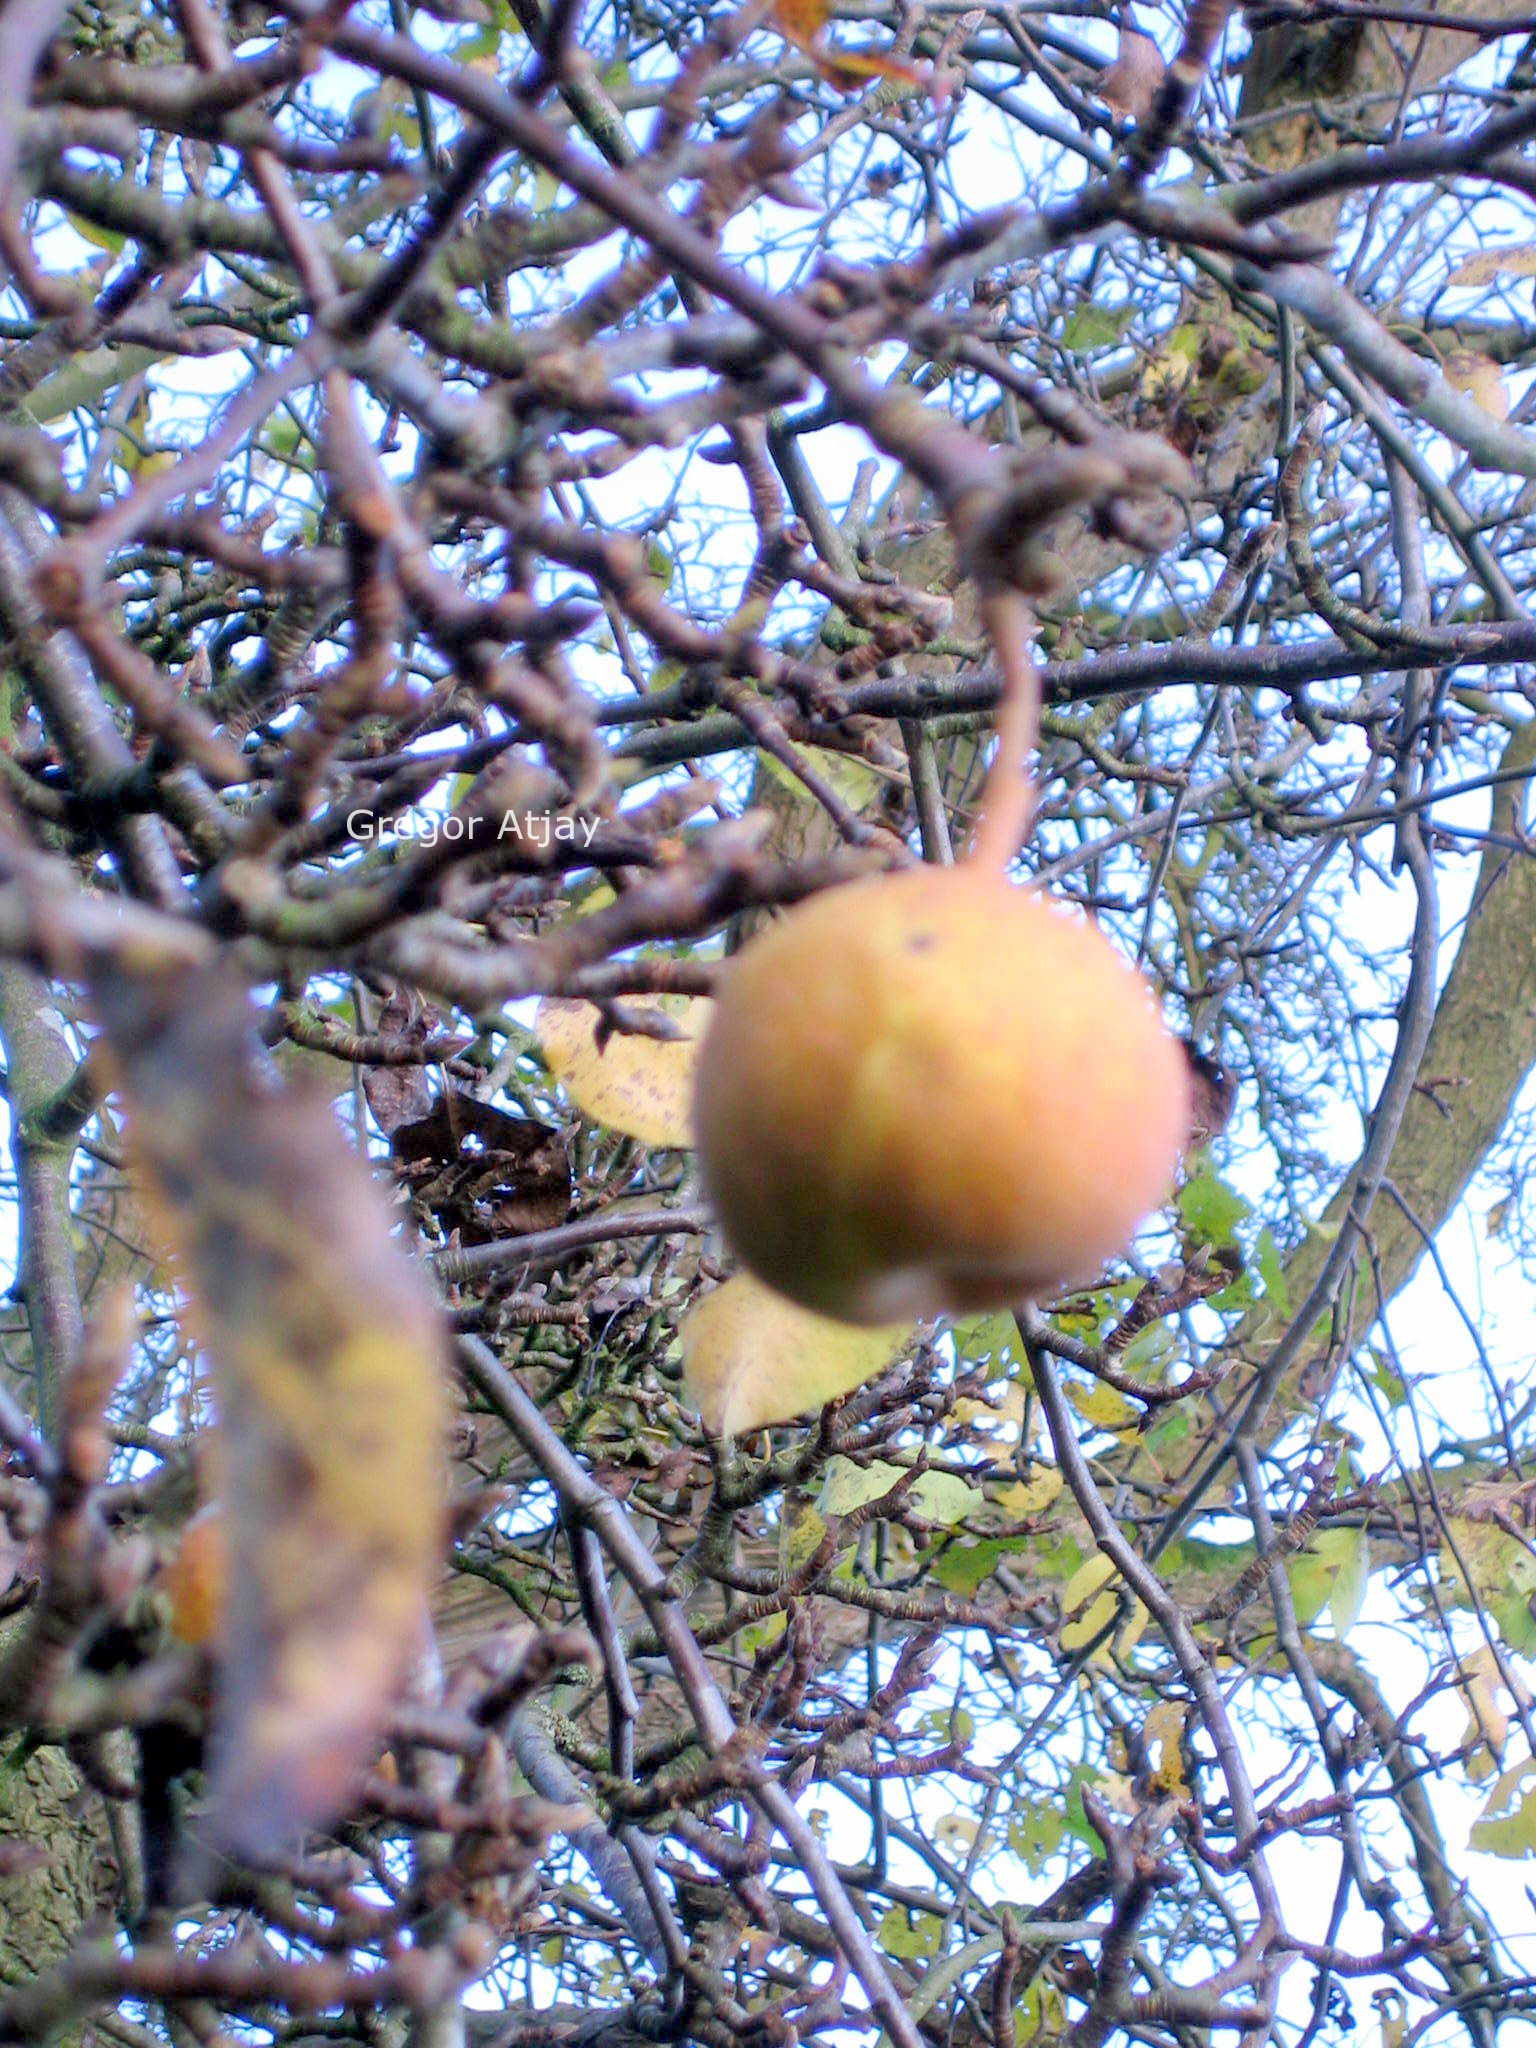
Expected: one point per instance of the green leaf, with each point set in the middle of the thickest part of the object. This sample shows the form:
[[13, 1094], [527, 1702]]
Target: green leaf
[[1210, 1210], [958, 1723], [1089, 1314], [1166, 1435], [282, 437], [911, 1936], [761, 1633], [1040, 2015], [1271, 1270], [846, 1486], [983, 1340], [963, 1567], [1185, 340], [13, 699], [1035, 1833], [1096, 327], [479, 42], [1507, 1826], [1241, 1295], [98, 237], [1387, 1383], [1311, 1582], [1332, 1572], [1503, 1575], [942, 1497], [320, 1069], [853, 779], [1353, 1575], [1147, 1350], [937, 1496], [1076, 1822]]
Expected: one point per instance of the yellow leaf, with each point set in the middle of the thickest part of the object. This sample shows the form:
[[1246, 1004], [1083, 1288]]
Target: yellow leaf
[[1516, 259], [1116, 1791], [953, 1831], [641, 1086], [1393, 2010], [750, 1357], [1170, 368], [801, 1529], [1163, 1734], [1103, 1406], [1030, 1496], [1469, 370], [1008, 1411], [1086, 1601], [1012, 1402], [1091, 1575], [1089, 1601], [1130, 1634], [1483, 1683]]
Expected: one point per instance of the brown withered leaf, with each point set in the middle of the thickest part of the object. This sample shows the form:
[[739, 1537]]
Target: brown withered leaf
[[327, 1355], [1513, 259], [1212, 1096], [803, 23], [800, 21], [1131, 84], [847, 70], [482, 1172], [397, 1094]]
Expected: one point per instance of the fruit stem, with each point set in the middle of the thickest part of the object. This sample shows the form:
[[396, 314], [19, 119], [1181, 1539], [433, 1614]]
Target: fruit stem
[[1008, 800]]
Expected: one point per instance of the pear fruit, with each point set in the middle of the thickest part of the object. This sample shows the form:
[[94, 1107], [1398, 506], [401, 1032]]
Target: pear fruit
[[933, 1092]]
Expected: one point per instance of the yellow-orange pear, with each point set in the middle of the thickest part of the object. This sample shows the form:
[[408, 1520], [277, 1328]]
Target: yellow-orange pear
[[932, 1092]]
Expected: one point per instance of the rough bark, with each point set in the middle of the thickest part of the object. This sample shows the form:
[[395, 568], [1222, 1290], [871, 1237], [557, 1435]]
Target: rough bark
[[45, 1902], [1481, 1047], [46, 1812]]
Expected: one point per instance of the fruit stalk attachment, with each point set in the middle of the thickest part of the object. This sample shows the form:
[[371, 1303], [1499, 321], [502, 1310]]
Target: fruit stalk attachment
[[1008, 800]]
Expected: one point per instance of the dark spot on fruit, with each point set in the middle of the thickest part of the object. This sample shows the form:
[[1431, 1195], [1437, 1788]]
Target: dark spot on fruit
[[921, 941]]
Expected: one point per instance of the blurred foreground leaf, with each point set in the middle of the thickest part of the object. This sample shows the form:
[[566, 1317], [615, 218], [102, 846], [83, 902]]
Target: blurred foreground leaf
[[326, 1352]]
